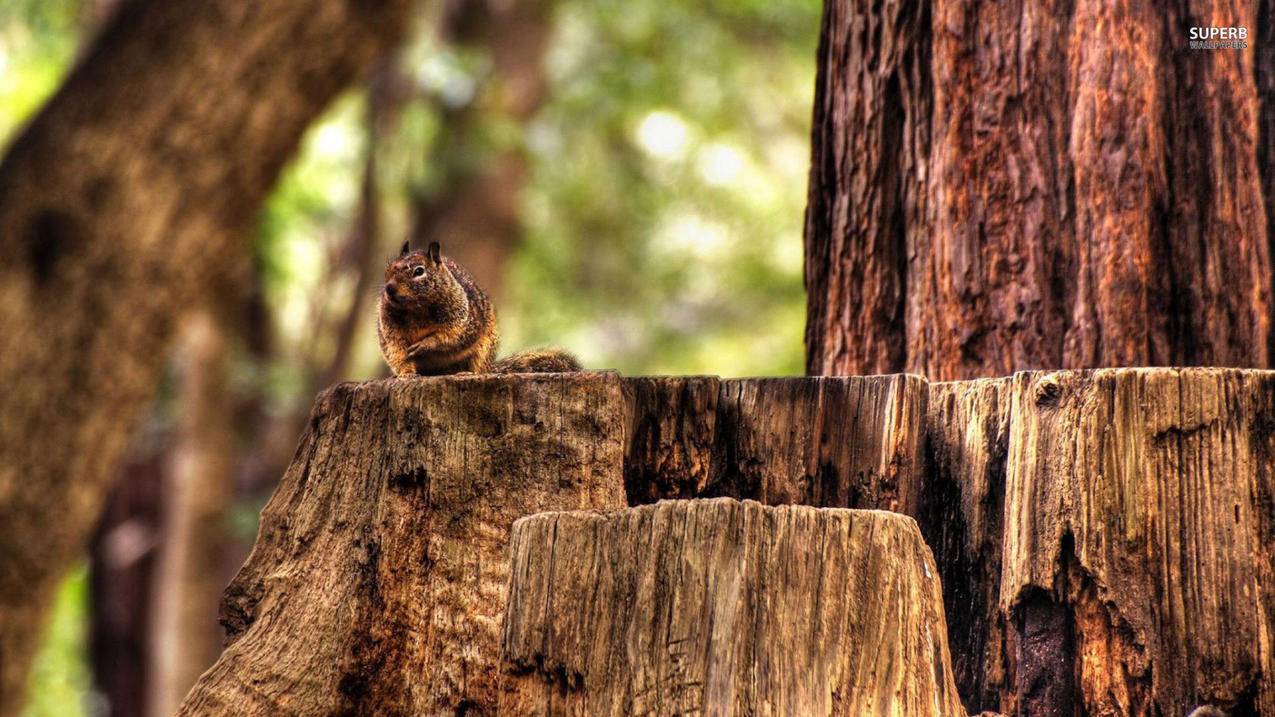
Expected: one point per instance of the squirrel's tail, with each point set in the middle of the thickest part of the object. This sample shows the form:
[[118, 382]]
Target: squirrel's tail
[[538, 361]]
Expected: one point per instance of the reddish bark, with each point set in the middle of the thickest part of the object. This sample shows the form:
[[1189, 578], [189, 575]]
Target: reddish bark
[[1004, 186]]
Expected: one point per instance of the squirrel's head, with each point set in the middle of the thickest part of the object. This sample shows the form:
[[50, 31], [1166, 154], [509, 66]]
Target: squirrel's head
[[420, 289]]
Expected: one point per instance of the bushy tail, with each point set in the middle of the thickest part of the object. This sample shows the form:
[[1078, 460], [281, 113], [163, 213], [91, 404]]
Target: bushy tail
[[538, 361]]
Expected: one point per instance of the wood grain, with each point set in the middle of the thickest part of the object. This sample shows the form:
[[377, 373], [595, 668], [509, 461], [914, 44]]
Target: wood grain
[[1105, 542], [849, 442], [725, 608], [1106, 539]]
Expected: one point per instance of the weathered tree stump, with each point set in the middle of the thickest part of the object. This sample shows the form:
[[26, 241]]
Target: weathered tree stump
[[1107, 539], [721, 607], [378, 580]]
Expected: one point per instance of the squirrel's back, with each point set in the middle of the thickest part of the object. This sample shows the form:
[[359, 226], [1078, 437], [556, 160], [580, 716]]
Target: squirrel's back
[[538, 361]]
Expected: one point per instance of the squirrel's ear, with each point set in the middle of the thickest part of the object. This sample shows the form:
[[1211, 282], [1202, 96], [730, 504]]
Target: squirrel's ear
[[403, 251], [435, 252]]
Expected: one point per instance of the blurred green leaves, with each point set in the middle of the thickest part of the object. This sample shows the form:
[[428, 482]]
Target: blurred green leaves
[[664, 216], [38, 39], [60, 674]]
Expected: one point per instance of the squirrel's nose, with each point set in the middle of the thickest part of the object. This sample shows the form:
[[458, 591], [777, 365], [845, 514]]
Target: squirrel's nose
[[391, 291]]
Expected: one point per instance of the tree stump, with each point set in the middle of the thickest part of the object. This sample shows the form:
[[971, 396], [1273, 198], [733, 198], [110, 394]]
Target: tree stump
[[722, 607], [1107, 539], [378, 580]]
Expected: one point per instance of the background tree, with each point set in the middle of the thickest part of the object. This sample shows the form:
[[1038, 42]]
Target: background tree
[[95, 208]]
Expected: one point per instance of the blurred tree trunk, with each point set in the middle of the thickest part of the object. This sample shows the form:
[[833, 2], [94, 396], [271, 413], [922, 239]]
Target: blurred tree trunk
[[996, 187], [117, 203], [184, 635], [477, 215], [121, 566], [358, 257]]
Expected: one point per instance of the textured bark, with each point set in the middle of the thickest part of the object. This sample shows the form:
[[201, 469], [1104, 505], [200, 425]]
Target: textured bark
[[850, 442], [378, 580], [1134, 571], [721, 607], [833, 442], [670, 437], [184, 636], [998, 186], [967, 436], [117, 203]]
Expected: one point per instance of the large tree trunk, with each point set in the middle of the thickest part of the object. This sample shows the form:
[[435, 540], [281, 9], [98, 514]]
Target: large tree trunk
[[1003, 186], [999, 186], [117, 203], [725, 608]]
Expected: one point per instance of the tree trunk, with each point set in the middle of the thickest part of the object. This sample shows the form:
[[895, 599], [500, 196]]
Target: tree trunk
[[1103, 538], [999, 186], [720, 607], [359, 542], [184, 638], [122, 557], [117, 203], [378, 580]]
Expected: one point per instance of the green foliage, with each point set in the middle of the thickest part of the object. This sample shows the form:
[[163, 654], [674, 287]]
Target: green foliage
[[664, 215], [60, 675], [38, 39]]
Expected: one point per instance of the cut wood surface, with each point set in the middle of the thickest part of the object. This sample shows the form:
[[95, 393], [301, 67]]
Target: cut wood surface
[[377, 583], [725, 608]]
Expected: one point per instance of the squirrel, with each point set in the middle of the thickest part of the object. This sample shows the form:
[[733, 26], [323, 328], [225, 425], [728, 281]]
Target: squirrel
[[434, 319]]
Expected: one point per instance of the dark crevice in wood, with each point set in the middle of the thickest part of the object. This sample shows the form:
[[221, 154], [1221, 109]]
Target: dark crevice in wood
[[1045, 679], [1263, 48]]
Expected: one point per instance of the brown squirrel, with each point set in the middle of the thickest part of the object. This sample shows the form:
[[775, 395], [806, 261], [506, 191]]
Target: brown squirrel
[[433, 319]]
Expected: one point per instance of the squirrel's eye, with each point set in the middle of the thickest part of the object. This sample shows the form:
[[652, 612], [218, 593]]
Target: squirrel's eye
[[418, 272]]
